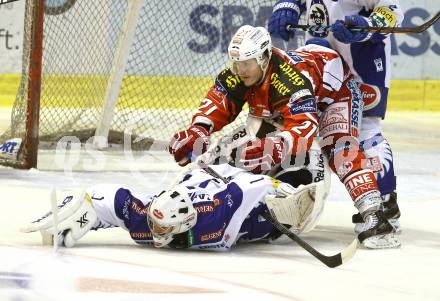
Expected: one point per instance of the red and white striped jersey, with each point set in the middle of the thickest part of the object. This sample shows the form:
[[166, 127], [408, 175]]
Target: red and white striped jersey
[[293, 88]]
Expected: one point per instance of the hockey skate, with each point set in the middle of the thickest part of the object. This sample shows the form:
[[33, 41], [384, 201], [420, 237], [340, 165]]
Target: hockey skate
[[390, 210], [376, 232]]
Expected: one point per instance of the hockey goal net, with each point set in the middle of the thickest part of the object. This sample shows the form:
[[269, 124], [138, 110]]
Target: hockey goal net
[[117, 69]]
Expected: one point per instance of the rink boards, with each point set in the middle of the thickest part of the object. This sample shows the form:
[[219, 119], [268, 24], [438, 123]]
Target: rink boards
[[171, 92]]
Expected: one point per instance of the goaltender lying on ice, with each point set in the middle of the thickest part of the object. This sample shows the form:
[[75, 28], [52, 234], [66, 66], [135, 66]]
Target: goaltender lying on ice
[[201, 212]]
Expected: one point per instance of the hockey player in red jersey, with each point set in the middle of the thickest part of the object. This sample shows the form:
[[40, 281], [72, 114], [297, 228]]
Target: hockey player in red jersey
[[303, 91], [369, 57]]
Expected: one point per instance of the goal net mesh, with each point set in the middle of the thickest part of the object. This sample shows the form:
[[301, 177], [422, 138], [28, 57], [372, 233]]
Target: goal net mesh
[[177, 49]]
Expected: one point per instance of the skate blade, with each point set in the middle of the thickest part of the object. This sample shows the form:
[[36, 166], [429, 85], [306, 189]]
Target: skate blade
[[387, 241], [396, 225]]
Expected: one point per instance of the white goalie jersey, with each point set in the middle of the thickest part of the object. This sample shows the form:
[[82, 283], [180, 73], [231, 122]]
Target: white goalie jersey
[[226, 213]]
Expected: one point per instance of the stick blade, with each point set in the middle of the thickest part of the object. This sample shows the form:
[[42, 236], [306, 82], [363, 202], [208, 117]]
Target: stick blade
[[46, 238], [341, 258], [349, 251]]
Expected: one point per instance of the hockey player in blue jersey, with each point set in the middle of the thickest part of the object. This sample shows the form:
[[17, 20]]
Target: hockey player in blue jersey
[[201, 212], [368, 55]]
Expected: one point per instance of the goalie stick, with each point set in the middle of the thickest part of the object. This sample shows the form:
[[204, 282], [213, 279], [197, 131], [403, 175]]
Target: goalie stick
[[330, 261], [416, 29]]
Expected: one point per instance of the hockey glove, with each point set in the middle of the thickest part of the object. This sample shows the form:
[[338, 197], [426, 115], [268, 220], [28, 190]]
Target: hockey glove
[[189, 143], [262, 155], [285, 12], [345, 35]]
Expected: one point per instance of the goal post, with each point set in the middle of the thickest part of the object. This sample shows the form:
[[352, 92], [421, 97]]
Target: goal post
[[118, 69], [34, 86], [21, 151], [117, 72]]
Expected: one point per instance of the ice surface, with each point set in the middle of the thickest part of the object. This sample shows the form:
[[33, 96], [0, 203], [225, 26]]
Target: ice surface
[[107, 265]]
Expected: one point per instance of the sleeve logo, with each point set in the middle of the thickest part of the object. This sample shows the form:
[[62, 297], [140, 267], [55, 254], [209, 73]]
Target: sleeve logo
[[306, 106]]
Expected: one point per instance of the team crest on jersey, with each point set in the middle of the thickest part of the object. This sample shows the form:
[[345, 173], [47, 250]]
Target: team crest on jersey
[[318, 15]]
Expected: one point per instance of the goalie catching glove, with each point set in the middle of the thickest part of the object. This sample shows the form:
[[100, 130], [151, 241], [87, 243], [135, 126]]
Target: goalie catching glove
[[189, 143], [76, 216]]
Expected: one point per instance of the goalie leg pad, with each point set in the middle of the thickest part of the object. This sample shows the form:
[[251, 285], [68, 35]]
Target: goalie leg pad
[[79, 223], [76, 216], [296, 207]]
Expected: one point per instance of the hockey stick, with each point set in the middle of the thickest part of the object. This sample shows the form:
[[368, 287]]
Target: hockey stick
[[330, 261], [239, 136], [416, 29], [211, 171], [53, 203]]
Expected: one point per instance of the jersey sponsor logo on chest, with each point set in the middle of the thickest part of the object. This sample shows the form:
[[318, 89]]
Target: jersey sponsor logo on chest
[[278, 85], [294, 77]]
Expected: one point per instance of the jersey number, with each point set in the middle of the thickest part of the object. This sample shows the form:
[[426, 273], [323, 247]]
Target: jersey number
[[205, 104], [305, 125]]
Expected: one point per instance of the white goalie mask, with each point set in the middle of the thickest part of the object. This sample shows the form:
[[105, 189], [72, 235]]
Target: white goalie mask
[[250, 42], [170, 213]]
